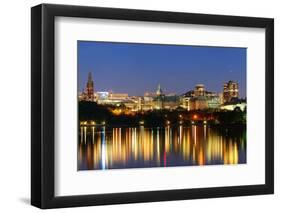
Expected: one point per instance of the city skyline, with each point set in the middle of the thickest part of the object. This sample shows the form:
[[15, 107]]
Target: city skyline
[[138, 68], [84, 90], [155, 105]]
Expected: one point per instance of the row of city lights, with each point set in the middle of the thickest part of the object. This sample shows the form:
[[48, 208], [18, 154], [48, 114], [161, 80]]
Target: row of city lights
[[103, 123]]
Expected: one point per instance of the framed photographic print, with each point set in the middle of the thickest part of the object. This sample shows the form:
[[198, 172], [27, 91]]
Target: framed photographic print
[[139, 106]]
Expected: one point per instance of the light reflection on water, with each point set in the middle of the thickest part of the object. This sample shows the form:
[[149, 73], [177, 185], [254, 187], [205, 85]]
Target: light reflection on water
[[139, 147]]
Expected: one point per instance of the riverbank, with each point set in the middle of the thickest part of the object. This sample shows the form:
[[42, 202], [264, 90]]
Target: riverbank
[[94, 114]]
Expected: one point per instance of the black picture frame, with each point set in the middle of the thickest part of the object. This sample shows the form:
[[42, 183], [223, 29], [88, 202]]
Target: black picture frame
[[43, 102]]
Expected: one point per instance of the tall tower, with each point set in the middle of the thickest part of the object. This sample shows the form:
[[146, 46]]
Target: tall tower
[[230, 90], [90, 88], [159, 98]]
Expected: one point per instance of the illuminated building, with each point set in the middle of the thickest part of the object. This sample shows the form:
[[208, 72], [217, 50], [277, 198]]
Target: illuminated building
[[185, 102], [118, 96], [171, 102], [198, 103], [199, 90], [111, 98], [159, 98], [147, 101], [102, 95], [120, 100], [213, 102], [234, 104], [88, 93], [230, 90], [221, 98], [199, 99], [132, 104], [159, 91]]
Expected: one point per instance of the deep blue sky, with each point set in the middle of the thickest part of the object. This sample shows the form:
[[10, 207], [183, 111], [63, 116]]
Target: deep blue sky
[[138, 68]]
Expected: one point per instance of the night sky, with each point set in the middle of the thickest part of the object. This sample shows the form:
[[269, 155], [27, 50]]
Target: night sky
[[138, 68]]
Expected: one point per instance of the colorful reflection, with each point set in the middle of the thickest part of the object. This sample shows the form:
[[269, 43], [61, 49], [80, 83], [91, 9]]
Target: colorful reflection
[[141, 147]]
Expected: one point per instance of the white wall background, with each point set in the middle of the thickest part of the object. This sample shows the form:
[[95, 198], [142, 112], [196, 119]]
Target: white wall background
[[15, 105]]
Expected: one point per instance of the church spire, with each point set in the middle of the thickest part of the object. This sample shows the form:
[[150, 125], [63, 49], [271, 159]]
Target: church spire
[[90, 87], [90, 77], [159, 90]]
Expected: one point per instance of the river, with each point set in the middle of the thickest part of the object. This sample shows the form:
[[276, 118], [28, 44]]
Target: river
[[101, 148]]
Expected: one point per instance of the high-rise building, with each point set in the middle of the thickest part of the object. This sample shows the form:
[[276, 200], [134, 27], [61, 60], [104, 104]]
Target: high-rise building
[[230, 91]]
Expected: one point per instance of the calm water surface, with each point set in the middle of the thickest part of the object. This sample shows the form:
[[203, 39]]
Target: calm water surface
[[139, 147]]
